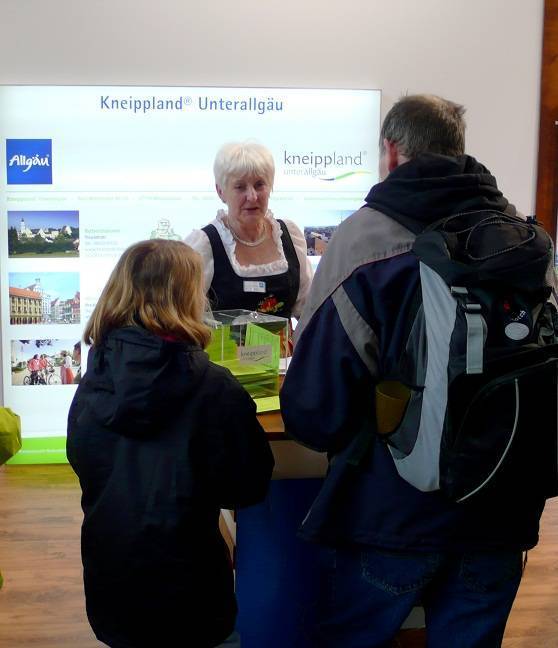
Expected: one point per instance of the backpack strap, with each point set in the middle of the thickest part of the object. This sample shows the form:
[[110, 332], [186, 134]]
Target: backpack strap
[[475, 329], [414, 305]]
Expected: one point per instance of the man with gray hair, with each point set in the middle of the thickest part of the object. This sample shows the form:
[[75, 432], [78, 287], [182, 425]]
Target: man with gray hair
[[392, 546]]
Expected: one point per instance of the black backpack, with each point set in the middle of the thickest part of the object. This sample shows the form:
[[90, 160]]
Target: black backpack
[[479, 368]]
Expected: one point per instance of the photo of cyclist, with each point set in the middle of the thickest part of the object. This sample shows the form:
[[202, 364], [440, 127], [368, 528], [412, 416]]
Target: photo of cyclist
[[57, 362], [34, 366]]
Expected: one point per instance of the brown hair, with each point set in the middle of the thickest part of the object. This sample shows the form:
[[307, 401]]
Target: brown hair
[[157, 284]]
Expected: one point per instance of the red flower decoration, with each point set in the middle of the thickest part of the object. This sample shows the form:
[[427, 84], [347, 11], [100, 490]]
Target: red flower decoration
[[270, 305]]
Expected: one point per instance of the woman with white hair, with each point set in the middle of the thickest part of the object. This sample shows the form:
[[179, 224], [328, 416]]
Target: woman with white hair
[[251, 260]]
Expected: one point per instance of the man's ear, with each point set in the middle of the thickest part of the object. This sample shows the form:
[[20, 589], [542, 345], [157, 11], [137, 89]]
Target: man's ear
[[393, 157]]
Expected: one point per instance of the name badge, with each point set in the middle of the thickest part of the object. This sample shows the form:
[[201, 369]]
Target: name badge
[[254, 286]]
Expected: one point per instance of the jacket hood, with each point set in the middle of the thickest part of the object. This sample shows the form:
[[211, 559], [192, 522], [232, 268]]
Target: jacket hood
[[430, 187], [136, 379]]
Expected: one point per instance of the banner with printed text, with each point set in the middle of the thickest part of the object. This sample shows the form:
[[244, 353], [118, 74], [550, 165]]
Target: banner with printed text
[[87, 171]]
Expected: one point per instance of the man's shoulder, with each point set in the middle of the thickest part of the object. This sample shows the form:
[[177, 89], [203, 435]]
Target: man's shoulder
[[372, 232], [366, 236]]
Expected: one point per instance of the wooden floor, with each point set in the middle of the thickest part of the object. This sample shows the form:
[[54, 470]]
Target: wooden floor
[[42, 605]]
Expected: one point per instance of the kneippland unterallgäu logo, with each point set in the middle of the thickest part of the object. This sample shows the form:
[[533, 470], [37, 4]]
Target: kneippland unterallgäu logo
[[328, 166], [29, 161]]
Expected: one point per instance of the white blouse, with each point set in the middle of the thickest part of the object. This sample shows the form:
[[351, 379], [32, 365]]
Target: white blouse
[[198, 240]]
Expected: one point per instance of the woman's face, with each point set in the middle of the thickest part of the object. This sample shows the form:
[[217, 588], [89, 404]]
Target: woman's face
[[246, 197]]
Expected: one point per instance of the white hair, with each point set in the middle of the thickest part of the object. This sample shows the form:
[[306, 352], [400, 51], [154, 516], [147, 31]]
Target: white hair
[[243, 158]]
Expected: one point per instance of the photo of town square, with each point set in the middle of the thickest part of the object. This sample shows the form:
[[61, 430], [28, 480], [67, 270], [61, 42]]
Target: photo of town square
[[50, 234], [45, 362], [44, 298]]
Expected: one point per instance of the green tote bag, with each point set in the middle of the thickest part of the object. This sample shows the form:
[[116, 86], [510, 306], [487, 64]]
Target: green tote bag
[[10, 434]]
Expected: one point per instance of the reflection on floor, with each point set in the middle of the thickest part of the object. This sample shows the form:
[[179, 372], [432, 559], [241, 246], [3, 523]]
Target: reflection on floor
[[42, 604]]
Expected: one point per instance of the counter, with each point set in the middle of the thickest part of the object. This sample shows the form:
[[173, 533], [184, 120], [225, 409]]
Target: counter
[[292, 461]]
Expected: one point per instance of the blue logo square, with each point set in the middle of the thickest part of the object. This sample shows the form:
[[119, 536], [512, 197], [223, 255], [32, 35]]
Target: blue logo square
[[29, 161]]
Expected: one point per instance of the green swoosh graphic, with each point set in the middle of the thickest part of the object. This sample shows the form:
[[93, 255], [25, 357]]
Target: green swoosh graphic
[[346, 175]]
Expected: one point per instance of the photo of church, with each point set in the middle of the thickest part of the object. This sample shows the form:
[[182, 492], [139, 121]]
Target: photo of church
[[48, 234]]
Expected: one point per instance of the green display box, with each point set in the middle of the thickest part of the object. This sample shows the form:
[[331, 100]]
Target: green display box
[[250, 345]]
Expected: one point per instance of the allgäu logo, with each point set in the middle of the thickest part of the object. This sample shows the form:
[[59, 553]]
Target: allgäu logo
[[29, 161]]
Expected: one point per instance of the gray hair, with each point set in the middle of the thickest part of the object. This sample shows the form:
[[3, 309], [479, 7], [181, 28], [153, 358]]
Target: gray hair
[[425, 124], [243, 158]]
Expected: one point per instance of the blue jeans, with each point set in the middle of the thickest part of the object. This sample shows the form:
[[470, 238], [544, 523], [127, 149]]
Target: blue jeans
[[467, 597]]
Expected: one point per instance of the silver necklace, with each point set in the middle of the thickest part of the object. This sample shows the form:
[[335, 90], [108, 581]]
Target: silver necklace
[[248, 243]]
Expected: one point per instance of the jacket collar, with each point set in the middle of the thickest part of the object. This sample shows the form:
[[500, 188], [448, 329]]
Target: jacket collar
[[430, 187]]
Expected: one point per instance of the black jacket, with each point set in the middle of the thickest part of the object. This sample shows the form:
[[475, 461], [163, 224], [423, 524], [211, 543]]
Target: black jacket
[[161, 439], [431, 186]]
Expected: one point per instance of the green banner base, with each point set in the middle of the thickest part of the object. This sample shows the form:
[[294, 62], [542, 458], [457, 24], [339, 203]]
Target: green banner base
[[45, 450], [52, 450]]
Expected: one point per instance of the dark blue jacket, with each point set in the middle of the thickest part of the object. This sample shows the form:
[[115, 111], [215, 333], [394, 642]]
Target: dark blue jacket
[[364, 284], [161, 439]]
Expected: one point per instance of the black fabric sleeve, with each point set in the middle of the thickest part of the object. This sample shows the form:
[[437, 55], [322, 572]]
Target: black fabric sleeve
[[240, 460]]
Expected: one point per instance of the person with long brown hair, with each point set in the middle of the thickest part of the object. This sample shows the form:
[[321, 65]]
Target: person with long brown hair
[[160, 439]]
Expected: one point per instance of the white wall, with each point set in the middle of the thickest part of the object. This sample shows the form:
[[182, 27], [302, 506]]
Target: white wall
[[483, 53]]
